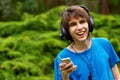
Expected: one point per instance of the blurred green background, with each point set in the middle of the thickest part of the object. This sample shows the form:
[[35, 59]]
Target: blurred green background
[[29, 34]]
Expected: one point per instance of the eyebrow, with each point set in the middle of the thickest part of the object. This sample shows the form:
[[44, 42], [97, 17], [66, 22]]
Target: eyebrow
[[80, 20]]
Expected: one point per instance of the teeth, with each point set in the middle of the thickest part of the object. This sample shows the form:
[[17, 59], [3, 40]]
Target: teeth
[[81, 33]]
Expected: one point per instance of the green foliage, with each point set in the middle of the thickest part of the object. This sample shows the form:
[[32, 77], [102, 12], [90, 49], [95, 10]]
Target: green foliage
[[108, 26], [28, 48], [48, 21]]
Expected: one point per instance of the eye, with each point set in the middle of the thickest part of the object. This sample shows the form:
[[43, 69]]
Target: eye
[[72, 24], [82, 21]]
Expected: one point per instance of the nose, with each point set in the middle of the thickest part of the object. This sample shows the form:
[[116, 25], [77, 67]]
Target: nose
[[79, 26]]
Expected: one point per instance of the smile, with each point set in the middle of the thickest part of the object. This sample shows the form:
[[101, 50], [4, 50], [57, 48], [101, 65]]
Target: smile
[[81, 34]]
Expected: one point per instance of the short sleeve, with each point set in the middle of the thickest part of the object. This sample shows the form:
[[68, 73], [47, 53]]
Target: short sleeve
[[113, 57]]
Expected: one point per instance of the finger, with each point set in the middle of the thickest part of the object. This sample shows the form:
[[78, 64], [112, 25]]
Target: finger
[[71, 69], [62, 65], [66, 66]]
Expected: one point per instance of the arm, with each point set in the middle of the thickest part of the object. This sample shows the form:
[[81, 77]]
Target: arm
[[115, 72]]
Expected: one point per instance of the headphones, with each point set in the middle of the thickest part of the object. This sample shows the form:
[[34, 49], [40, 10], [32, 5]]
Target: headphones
[[64, 32]]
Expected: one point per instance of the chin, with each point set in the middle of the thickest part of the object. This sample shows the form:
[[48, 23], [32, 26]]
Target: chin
[[81, 39]]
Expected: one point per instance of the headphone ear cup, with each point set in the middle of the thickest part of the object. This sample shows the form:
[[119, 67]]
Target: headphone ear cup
[[62, 31], [91, 24], [65, 34]]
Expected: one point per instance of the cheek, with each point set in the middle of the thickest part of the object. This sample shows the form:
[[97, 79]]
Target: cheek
[[71, 32], [72, 29], [87, 26]]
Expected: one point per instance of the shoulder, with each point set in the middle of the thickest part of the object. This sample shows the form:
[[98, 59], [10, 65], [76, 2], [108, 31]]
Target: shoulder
[[101, 40], [104, 42], [62, 54]]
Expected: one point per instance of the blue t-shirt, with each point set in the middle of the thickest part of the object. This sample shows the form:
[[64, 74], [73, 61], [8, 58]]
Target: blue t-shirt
[[97, 60]]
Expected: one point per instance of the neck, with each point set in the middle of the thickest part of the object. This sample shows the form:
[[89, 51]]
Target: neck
[[81, 46]]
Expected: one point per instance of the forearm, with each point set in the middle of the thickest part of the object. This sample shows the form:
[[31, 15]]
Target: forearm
[[117, 78], [116, 73]]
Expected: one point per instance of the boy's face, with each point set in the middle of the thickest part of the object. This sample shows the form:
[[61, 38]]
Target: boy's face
[[78, 29]]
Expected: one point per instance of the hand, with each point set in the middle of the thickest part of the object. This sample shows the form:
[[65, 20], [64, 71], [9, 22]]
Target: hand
[[66, 69]]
